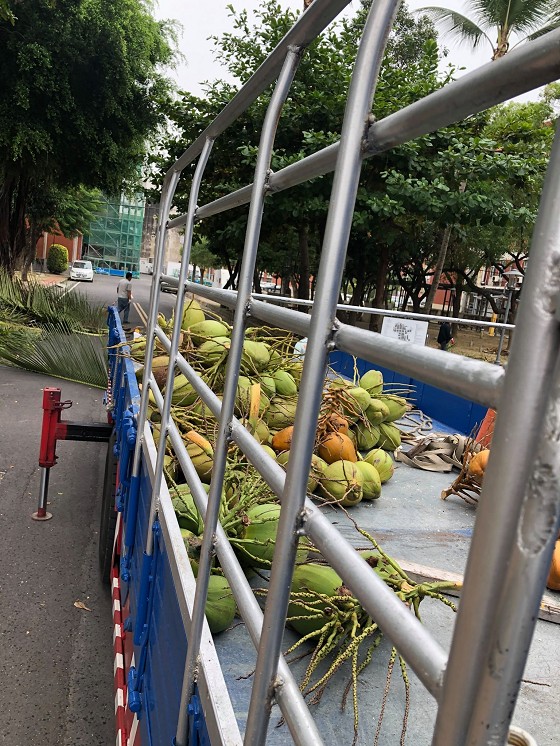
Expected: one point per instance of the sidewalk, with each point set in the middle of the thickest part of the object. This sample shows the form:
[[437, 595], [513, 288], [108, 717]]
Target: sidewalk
[[45, 278]]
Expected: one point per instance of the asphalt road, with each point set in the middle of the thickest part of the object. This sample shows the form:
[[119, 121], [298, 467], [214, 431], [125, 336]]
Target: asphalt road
[[103, 290], [56, 660]]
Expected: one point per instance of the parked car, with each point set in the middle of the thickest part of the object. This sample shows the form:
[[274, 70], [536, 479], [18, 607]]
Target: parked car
[[165, 287], [82, 270]]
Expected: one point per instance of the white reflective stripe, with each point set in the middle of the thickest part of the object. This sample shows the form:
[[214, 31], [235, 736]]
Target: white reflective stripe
[[133, 731], [119, 738], [119, 662], [116, 583], [116, 605], [119, 699], [116, 632]]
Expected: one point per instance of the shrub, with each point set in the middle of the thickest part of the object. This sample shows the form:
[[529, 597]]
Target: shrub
[[57, 259]]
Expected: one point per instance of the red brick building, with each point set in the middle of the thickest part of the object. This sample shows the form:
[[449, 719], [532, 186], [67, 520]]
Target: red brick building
[[74, 246]]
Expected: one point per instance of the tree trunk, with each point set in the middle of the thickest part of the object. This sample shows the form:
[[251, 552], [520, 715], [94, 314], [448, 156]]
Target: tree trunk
[[438, 269], [303, 286], [285, 290], [457, 308], [28, 258], [352, 317], [380, 287], [13, 197], [232, 279], [257, 281]]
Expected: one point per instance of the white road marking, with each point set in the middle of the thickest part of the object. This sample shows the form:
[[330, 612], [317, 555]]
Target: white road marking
[[69, 289]]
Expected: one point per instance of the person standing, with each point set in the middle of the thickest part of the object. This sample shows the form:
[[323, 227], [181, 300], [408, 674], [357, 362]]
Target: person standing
[[124, 296], [445, 335]]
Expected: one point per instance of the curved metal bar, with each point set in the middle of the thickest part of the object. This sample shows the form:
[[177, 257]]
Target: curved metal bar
[[333, 256], [316, 18], [528, 67], [232, 370], [517, 514], [424, 654]]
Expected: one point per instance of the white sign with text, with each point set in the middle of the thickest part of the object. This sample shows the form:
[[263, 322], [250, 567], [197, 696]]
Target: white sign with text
[[407, 330]]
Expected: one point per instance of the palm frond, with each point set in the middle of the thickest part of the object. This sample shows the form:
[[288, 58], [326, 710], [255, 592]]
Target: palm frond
[[532, 16], [456, 25], [62, 354], [37, 304], [553, 24]]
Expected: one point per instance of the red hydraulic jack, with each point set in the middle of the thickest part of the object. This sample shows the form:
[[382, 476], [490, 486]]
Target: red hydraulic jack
[[54, 429]]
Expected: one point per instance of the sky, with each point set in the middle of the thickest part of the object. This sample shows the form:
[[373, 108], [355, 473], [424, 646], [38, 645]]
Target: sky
[[211, 17]]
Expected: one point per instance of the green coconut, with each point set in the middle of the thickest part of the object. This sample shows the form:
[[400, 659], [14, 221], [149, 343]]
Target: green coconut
[[389, 436], [359, 399], [269, 451], [342, 482], [367, 436], [257, 538], [281, 412], [185, 508], [204, 330], [276, 360], [138, 348], [267, 385], [214, 350], [383, 463], [396, 405], [262, 433], [371, 480], [183, 392], [202, 409], [316, 471], [220, 604], [192, 314], [377, 412], [314, 579], [255, 356], [285, 383], [372, 382]]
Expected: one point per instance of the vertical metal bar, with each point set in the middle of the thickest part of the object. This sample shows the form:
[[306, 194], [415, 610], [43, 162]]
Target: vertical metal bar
[[169, 186], [42, 514], [165, 413], [516, 515], [502, 330], [232, 373], [333, 256]]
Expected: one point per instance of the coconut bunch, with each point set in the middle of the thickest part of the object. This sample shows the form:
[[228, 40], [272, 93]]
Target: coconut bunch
[[354, 436], [468, 483], [324, 612]]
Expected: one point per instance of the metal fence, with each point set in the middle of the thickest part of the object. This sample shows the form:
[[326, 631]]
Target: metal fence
[[476, 685]]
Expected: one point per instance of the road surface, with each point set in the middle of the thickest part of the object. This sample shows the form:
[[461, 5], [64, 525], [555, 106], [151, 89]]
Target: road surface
[[56, 660]]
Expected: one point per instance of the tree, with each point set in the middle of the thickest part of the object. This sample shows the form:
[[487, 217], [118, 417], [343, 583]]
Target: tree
[[77, 112], [294, 221], [523, 20], [202, 256]]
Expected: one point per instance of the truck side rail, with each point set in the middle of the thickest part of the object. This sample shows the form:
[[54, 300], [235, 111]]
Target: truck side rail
[[518, 515]]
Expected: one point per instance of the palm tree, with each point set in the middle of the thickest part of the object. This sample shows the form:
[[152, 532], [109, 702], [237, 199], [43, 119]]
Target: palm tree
[[523, 20]]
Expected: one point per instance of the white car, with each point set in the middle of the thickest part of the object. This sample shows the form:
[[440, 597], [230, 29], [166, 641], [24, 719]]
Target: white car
[[82, 270]]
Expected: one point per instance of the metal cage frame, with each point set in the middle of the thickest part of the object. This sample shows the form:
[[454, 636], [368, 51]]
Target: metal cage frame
[[476, 685]]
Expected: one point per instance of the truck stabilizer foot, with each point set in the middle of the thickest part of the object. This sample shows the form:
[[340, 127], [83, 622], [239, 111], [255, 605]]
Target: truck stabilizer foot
[[41, 516]]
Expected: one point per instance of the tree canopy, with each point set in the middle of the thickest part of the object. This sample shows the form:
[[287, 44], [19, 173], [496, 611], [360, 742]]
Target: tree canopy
[[82, 92], [461, 181]]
